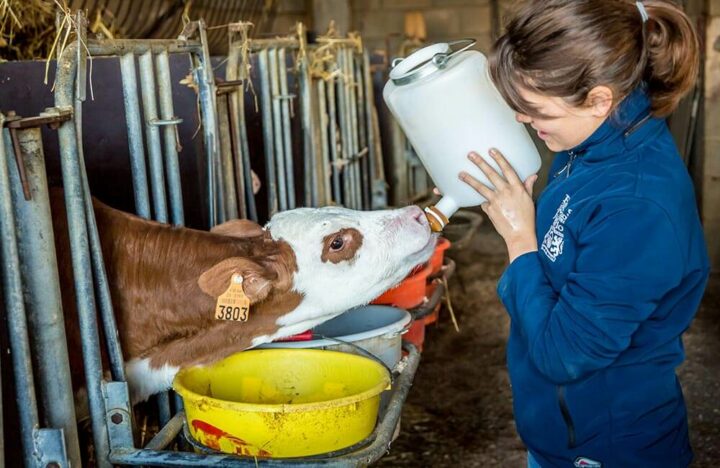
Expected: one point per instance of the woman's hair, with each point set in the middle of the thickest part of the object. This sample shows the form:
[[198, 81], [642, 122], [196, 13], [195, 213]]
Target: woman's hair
[[565, 48]]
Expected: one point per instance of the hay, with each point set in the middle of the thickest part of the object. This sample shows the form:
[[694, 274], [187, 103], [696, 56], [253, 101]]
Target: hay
[[27, 28]]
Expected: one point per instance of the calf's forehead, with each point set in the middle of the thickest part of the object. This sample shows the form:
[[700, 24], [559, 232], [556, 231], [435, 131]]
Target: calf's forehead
[[319, 222]]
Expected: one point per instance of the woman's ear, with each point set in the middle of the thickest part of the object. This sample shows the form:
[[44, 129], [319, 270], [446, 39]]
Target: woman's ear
[[600, 101]]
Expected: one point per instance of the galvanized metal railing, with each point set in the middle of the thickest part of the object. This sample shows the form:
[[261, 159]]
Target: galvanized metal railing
[[334, 91], [32, 302], [88, 267]]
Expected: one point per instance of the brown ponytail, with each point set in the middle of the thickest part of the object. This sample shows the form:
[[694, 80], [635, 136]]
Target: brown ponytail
[[673, 53], [565, 48]]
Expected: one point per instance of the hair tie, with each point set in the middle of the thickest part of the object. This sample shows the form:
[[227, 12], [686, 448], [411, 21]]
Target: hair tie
[[643, 12]]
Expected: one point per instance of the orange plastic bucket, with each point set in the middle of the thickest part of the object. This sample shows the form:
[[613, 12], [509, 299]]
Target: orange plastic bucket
[[416, 334], [436, 261], [408, 294]]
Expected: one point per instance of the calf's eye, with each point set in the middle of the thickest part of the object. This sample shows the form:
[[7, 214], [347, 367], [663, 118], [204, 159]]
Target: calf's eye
[[337, 243]]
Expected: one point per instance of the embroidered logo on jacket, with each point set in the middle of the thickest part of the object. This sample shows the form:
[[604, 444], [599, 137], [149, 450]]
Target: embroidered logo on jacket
[[582, 462], [554, 239]]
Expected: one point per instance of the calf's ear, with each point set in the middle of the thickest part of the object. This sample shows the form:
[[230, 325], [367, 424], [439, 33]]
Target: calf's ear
[[257, 280], [240, 228]]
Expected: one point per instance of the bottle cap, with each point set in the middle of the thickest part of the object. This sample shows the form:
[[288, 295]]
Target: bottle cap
[[436, 218]]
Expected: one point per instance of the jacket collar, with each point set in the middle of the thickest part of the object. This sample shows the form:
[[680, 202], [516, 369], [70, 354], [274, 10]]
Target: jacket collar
[[626, 128]]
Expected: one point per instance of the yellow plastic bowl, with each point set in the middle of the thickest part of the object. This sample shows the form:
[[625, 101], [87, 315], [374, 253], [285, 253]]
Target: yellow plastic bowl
[[282, 402]]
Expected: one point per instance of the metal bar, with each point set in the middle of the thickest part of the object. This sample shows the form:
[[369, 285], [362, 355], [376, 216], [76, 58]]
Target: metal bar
[[350, 129], [135, 140], [238, 128], [277, 130], [352, 84], [337, 189], [362, 457], [170, 138], [245, 151], [325, 150], [363, 130], [344, 139], [226, 159], [102, 288], [267, 127], [41, 287], [79, 248], [309, 178], [107, 47], [152, 137], [208, 108], [167, 434], [16, 319], [371, 137], [287, 129], [236, 155]]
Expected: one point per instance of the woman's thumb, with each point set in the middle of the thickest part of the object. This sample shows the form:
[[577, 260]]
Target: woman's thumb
[[530, 182]]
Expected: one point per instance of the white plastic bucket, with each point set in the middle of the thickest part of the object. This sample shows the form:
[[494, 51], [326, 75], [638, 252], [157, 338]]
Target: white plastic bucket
[[374, 328]]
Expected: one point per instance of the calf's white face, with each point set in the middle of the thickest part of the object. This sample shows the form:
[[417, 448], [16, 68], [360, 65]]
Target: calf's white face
[[346, 258]]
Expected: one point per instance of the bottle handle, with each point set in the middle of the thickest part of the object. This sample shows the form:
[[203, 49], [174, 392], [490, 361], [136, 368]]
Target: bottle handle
[[426, 61]]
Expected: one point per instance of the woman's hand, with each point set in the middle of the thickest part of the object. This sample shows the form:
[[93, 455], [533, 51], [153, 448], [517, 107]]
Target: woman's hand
[[510, 206]]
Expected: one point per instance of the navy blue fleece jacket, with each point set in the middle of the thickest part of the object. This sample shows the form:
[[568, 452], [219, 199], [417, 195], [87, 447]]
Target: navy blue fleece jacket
[[598, 311]]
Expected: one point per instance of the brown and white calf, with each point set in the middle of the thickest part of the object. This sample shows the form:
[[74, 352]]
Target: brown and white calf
[[305, 267]]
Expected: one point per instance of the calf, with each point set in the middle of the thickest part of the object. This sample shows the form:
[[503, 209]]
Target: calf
[[305, 267]]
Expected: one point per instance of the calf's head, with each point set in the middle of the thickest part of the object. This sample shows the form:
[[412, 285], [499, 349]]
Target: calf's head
[[346, 258], [341, 258]]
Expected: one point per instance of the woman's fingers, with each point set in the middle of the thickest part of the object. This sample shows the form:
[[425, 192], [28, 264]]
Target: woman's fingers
[[507, 170], [481, 188], [492, 175]]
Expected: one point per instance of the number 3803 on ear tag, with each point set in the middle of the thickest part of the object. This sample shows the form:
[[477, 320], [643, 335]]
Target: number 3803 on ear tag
[[233, 304]]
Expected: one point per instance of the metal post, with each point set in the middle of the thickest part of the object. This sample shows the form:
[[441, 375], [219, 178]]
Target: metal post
[[325, 150], [363, 131], [79, 248], [205, 79], [337, 189], [15, 310], [277, 129], [348, 198], [310, 147], [226, 159], [152, 136], [170, 138], [286, 127], [41, 287], [267, 126], [135, 140], [371, 137], [352, 97], [238, 126]]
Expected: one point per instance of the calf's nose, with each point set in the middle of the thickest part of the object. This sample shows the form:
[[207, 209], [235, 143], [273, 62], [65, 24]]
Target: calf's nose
[[417, 214]]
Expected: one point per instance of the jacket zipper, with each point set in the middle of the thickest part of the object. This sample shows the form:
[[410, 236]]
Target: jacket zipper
[[566, 416], [568, 167]]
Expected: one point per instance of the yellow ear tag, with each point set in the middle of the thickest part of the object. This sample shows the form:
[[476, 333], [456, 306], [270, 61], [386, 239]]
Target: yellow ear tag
[[233, 304]]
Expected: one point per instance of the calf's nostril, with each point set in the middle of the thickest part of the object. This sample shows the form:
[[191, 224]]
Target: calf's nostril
[[420, 218]]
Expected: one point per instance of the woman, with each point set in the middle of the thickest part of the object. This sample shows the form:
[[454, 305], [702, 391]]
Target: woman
[[607, 272]]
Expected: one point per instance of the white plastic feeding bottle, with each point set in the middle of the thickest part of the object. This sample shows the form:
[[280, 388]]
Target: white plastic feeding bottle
[[447, 106]]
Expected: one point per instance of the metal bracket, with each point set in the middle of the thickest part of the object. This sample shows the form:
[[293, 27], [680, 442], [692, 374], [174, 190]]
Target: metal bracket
[[50, 449], [118, 416], [51, 116], [160, 122]]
